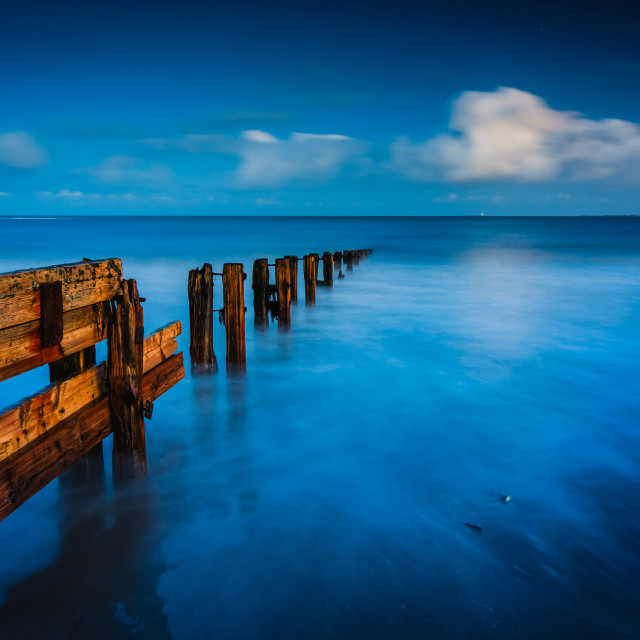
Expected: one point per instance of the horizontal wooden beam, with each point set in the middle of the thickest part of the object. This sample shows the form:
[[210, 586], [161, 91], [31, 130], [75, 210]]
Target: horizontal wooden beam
[[31, 417], [32, 467], [21, 349], [83, 284], [160, 345], [161, 378]]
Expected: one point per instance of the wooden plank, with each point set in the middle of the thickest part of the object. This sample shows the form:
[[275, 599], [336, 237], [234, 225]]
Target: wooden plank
[[34, 416], [160, 345], [90, 466], [31, 417], [20, 346], [34, 466], [83, 284], [161, 378], [25, 473]]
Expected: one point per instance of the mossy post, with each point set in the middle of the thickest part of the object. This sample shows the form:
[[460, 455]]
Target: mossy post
[[203, 360], [233, 277]]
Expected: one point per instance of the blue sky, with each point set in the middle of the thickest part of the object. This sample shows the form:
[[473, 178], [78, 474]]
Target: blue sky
[[294, 108]]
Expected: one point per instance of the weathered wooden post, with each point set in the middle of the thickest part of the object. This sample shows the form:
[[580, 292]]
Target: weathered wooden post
[[203, 359], [283, 284], [233, 277], [337, 260], [259, 284], [293, 277], [347, 257], [310, 270], [125, 334], [327, 269], [356, 257]]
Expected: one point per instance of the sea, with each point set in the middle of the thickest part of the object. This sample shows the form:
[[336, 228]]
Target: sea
[[447, 445]]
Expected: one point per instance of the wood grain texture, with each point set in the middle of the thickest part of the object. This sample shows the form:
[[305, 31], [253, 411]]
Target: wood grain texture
[[233, 294], [161, 378], [21, 349], [33, 416], [310, 270], [293, 278], [203, 359], [90, 466], [283, 288], [124, 370], [32, 467], [160, 345], [83, 284], [259, 284]]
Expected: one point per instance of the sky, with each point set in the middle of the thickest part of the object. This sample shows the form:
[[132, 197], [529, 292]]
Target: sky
[[392, 108]]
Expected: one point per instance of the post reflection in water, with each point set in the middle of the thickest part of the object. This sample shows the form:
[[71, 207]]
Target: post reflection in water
[[103, 582]]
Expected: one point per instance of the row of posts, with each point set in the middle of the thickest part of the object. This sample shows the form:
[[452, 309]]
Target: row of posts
[[268, 299]]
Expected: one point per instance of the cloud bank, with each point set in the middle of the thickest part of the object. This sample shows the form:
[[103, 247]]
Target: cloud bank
[[513, 135], [19, 150]]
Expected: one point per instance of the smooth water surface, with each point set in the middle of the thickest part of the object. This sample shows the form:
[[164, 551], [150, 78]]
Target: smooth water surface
[[325, 493]]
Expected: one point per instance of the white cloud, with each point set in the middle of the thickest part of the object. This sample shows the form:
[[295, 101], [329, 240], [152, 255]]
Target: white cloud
[[19, 150], [267, 161], [65, 194], [5, 194], [125, 170], [256, 135], [514, 135]]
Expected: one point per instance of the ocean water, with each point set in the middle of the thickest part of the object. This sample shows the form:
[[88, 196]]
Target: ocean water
[[324, 494]]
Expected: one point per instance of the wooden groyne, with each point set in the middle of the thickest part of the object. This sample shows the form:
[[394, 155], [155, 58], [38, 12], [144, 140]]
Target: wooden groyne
[[56, 316], [268, 299]]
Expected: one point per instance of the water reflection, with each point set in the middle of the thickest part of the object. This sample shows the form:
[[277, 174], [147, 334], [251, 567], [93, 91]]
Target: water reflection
[[103, 582], [324, 492]]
